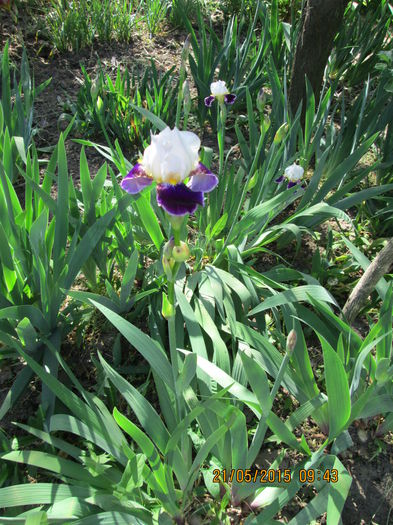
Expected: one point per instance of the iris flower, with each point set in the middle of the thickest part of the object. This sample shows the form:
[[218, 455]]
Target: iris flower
[[220, 92], [293, 174], [172, 161]]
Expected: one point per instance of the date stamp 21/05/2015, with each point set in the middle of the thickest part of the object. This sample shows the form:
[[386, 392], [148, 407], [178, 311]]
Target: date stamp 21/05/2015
[[274, 476]]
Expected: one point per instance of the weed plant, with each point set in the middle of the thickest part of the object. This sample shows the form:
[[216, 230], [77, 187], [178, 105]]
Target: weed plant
[[16, 111], [104, 107], [74, 25]]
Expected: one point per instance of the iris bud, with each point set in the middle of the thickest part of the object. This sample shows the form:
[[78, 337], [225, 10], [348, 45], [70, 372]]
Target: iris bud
[[186, 46], [168, 310], [291, 341], [186, 51], [281, 132], [186, 96], [168, 247], [99, 103], [265, 124], [95, 88], [261, 99], [181, 253]]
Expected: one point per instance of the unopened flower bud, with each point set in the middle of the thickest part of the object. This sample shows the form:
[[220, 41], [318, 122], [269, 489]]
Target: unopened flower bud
[[184, 57], [94, 89], [291, 341], [261, 99], [280, 134], [265, 124], [181, 253], [168, 310], [186, 49], [99, 104], [186, 96], [168, 247]]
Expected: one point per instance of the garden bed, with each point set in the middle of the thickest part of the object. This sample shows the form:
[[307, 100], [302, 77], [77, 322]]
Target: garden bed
[[369, 459]]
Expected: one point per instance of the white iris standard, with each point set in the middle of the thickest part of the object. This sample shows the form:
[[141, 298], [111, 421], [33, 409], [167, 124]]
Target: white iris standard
[[219, 89], [171, 156], [293, 174]]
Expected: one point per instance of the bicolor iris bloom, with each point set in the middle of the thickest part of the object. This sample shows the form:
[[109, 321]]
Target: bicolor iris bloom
[[172, 161], [293, 174], [220, 92]]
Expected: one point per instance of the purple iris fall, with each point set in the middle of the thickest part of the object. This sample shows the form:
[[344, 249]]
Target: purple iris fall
[[220, 92], [171, 159]]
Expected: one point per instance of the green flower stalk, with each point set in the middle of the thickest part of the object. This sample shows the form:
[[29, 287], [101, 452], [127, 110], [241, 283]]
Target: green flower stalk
[[171, 163], [175, 253], [100, 114], [182, 77], [219, 92]]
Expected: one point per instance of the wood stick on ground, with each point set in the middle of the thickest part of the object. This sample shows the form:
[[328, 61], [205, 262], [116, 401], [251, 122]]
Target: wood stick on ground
[[377, 269]]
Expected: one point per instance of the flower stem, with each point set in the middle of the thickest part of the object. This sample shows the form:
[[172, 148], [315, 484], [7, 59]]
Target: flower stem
[[176, 223], [174, 356], [180, 96], [221, 119], [171, 292], [176, 236], [172, 327], [179, 402]]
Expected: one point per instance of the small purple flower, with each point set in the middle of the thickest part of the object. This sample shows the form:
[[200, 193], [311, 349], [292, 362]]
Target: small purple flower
[[293, 174], [171, 159], [220, 92]]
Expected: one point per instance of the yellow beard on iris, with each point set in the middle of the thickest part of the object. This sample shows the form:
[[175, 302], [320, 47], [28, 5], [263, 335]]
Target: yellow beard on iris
[[174, 179]]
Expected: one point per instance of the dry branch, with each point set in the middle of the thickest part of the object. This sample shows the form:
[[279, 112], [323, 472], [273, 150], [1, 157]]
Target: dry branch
[[377, 269]]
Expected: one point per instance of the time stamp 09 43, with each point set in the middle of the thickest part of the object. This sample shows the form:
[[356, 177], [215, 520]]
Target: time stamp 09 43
[[274, 476]]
